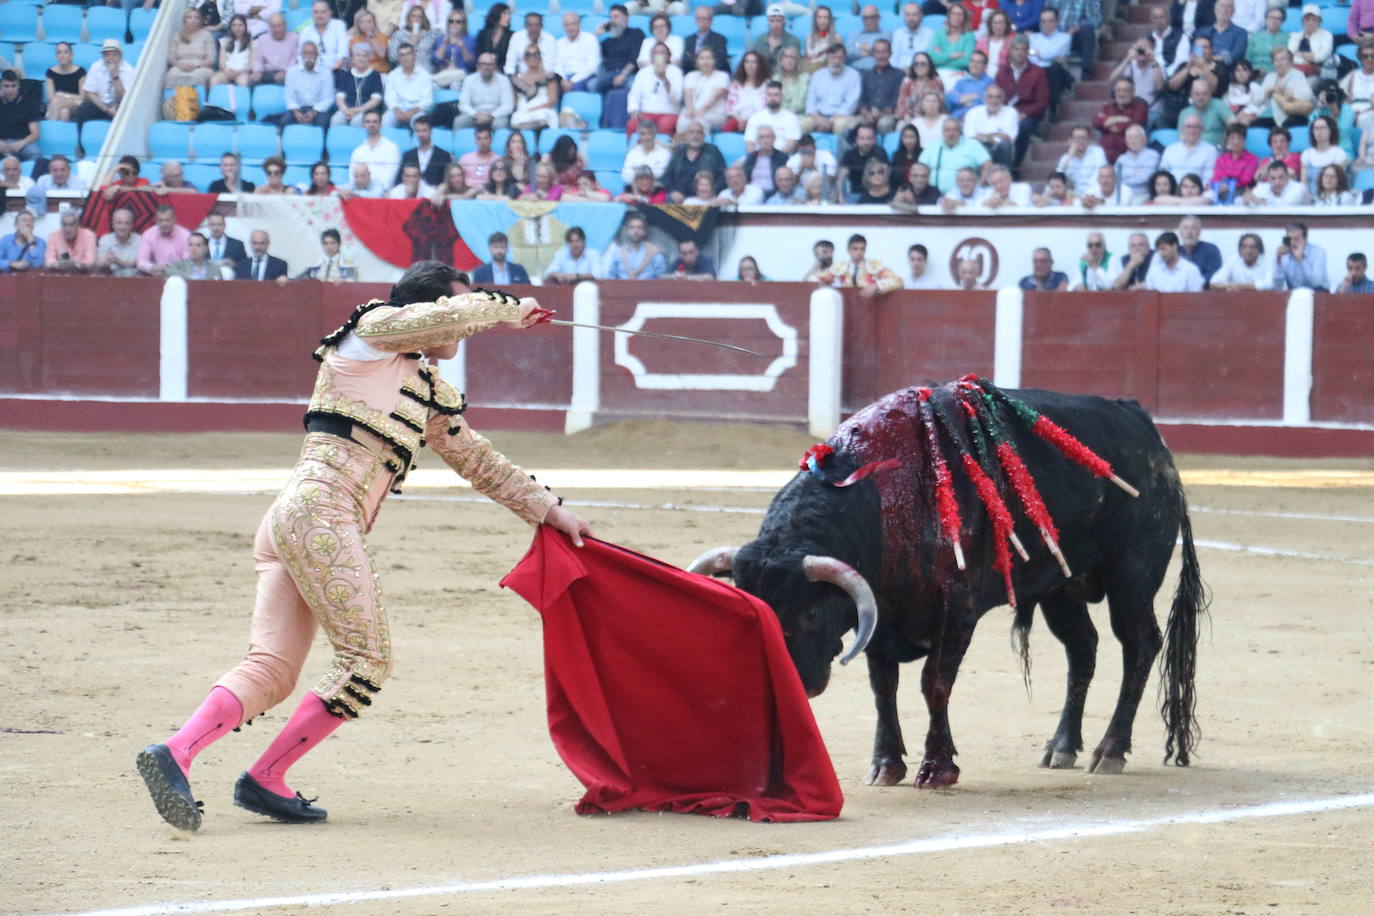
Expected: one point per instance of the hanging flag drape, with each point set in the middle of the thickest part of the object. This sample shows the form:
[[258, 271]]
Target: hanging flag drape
[[402, 232], [669, 691]]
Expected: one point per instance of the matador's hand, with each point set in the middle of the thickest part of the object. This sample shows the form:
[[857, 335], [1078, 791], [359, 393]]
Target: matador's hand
[[531, 314], [561, 519]]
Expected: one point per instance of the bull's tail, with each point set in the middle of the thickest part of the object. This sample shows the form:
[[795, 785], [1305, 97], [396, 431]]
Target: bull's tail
[[1178, 667], [1020, 638]]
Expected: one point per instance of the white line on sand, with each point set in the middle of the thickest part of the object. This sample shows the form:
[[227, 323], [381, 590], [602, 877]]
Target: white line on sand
[[1307, 516], [948, 843]]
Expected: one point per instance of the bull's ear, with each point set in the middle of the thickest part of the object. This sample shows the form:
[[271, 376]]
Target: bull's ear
[[718, 562]]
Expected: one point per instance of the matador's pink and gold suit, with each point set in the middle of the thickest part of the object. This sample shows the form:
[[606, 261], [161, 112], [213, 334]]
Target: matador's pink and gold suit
[[313, 564], [376, 402]]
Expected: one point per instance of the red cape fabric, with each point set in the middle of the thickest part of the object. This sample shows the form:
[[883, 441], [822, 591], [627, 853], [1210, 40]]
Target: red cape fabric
[[669, 691], [191, 209], [402, 232]]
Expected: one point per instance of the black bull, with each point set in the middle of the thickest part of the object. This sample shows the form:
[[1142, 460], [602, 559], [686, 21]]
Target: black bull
[[1117, 547]]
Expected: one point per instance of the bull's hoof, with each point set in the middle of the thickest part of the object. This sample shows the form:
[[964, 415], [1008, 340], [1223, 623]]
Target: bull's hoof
[[1059, 760], [1102, 765], [887, 771], [936, 774]]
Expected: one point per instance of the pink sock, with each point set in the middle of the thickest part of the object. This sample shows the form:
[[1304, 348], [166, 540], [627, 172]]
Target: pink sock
[[310, 724], [220, 713]]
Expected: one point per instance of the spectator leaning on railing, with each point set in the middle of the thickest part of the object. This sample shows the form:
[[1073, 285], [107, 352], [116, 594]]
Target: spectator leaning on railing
[[117, 250], [1169, 272]]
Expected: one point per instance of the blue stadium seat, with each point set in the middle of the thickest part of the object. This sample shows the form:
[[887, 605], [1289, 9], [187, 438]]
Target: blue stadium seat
[[934, 23], [338, 174], [732, 29], [7, 49], [548, 138], [236, 99], [212, 140], [104, 22], [255, 142], [582, 7], [38, 57], [86, 55], [342, 141], [302, 144], [62, 23], [1349, 52], [442, 137], [200, 174], [826, 141], [890, 141], [133, 51], [586, 104], [57, 137], [297, 17], [641, 22], [18, 22], [93, 136], [141, 23], [610, 180], [401, 136], [465, 140], [1292, 22], [253, 173], [1257, 141], [446, 95], [268, 99], [731, 145], [683, 25], [1335, 18], [1364, 181], [168, 139], [297, 176], [1302, 139], [1164, 136], [605, 150]]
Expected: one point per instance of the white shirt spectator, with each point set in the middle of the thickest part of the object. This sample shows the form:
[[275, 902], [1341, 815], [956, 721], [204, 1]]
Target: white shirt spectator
[[656, 159], [1020, 194], [74, 183], [399, 191], [374, 189], [414, 90], [1313, 161], [906, 44], [701, 87], [924, 281], [978, 120], [1294, 82], [646, 51], [1293, 194], [332, 42], [496, 98], [383, 159], [579, 58], [520, 41], [786, 125], [1250, 15], [651, 94], [1183, 277], [1134, 170], [749, 197], [1100, 278], [1235, 270], [1082, 170], [590, 264], [1121, 196], [98, 80], [1179, 160]]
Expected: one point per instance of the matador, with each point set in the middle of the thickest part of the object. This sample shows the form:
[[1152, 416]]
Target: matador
[[378, 399]]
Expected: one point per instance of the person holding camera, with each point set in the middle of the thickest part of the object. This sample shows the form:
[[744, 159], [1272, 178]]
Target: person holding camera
[[71, 249], [1302, 263]]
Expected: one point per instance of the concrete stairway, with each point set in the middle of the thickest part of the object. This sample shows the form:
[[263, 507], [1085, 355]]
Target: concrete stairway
[[1081, 103]]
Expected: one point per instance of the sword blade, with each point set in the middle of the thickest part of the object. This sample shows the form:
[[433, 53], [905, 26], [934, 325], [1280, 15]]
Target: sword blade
[[709, 343]]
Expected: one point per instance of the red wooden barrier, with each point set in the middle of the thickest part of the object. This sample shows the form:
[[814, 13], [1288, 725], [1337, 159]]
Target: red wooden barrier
[[1343, 360]]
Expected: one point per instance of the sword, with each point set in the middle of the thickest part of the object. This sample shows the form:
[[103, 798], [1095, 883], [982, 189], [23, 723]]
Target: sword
[[602, 327]]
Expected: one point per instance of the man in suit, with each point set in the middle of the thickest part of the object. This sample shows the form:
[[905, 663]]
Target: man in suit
[[227, 251], [499, 272], [197, 265], [260, 265], [433, 162], [704, 37]]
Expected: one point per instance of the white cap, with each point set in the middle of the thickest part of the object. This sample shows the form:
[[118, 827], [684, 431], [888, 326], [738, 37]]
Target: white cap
[[775, 9], [1312, 9]]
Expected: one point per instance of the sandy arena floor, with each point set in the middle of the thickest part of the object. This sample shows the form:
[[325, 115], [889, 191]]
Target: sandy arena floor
[[117, 610]]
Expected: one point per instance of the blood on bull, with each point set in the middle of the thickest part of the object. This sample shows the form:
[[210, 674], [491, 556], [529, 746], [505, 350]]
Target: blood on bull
[[902, 526]]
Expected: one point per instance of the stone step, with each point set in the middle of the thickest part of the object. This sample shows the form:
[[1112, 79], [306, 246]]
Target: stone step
[[1036, 173], [1130, 31], [1097, 91], [1077, 110]]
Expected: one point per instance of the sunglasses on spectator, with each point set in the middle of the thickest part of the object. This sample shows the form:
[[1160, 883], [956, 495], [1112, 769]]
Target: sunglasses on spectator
[[274, 171], [1094, 244]]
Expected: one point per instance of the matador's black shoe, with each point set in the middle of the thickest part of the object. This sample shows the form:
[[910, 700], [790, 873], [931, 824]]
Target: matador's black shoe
[[168, 786], [249, 794]]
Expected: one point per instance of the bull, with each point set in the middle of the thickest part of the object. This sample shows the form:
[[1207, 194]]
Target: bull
[[870, 557]]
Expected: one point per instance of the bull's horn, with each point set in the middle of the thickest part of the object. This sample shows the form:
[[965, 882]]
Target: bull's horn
[[829, 569], [714, 561]]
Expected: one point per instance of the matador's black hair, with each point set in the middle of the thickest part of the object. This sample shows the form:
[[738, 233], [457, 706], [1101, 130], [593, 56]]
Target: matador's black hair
[[426, 281]]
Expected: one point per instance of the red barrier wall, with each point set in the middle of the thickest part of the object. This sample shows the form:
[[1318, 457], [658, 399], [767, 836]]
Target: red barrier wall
[[707, 309], [1343, 360], [1184, 356], [524, 368]]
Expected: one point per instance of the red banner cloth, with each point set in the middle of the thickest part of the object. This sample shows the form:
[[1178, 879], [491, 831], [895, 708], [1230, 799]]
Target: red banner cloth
[[191, 209], [402, 232], [669, 691]]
